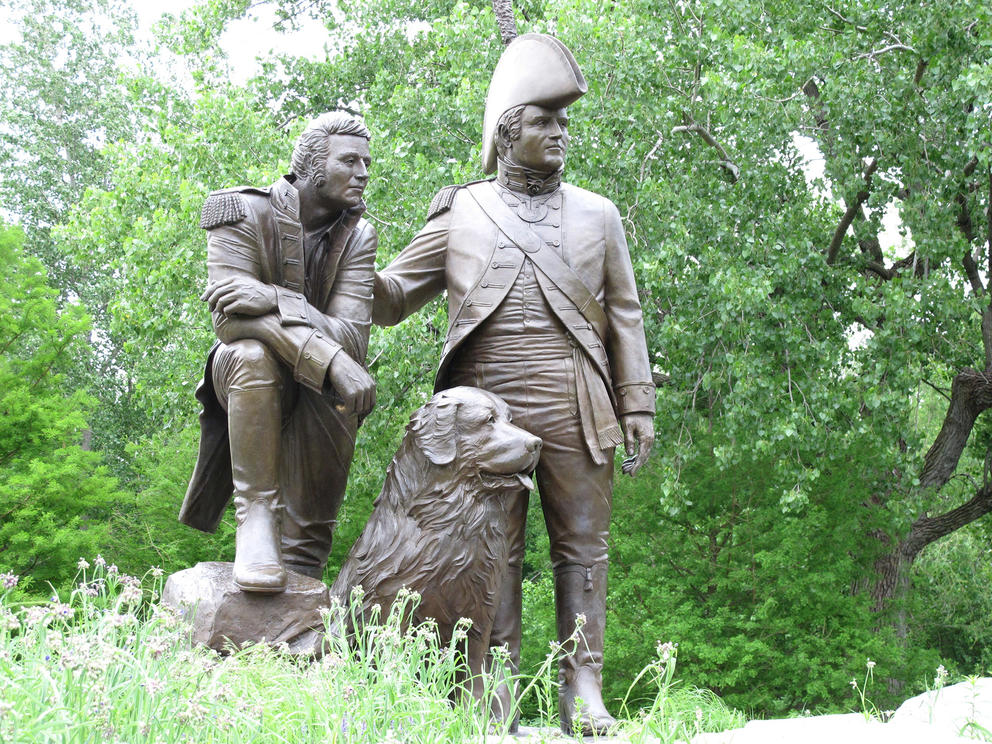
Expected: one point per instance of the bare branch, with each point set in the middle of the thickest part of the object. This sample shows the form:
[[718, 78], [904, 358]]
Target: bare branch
[[812, 91], [845, 20], [675, 14], [988, 222], [726, 163], [967, 227], [926, 530], [987, 337], [455, 132], [938, 390], [801, 91], [971, 269], [651, 152], [971, 394], [884, 50], [891, 272]]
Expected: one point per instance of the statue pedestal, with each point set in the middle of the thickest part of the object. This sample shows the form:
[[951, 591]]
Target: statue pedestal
[[222, 616]]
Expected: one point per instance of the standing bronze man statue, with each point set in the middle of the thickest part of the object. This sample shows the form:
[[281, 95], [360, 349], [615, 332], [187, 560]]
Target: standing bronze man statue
[[289, 270], [542, 311]]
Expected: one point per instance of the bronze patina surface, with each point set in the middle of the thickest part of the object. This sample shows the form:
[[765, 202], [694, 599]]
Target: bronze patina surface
[[542, 311], [289, 270], [440, 526]]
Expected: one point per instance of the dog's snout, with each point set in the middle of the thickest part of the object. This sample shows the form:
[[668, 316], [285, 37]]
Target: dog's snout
[[534, 444]]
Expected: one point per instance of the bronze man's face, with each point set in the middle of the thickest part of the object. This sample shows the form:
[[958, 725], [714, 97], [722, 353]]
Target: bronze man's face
[[346, 172], [543, 139]]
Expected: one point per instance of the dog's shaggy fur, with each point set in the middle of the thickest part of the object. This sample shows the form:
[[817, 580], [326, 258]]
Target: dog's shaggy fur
[[439, 526]]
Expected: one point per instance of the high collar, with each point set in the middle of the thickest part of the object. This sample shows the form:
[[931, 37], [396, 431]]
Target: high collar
[[288, 199], [526, 181]]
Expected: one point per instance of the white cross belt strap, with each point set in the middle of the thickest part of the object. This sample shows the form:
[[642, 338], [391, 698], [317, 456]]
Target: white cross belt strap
[[547, 260]]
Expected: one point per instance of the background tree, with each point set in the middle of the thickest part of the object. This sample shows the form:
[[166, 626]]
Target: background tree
[[804, 357], [57, 498]]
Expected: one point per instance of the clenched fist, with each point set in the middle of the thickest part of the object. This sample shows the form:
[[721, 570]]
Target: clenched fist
[[638, 436], [353, 384]]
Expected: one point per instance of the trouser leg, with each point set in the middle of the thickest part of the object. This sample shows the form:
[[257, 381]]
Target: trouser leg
[[249, 384], [318, 444], [577, 496], [507, 622]]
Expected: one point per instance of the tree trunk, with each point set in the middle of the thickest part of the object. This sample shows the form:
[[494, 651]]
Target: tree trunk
[[971, 394], [505, 20]]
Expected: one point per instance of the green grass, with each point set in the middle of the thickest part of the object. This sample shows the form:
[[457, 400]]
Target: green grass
[[109, 664]]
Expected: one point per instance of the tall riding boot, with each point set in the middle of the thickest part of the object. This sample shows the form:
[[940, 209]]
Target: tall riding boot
[[581, 590], [506, 632], [254, 423]]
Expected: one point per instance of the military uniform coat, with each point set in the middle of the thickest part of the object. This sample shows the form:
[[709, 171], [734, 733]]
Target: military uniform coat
[[323, 309], [463, 251]]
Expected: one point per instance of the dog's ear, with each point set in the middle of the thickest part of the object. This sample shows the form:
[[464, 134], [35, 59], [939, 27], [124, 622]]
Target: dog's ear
[[433, 428]]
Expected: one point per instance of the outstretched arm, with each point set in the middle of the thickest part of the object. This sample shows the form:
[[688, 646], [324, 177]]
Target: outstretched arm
[[414, 277]]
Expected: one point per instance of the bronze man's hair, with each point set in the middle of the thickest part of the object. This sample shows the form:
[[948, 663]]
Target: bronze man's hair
[[508, 127], [312, 148]]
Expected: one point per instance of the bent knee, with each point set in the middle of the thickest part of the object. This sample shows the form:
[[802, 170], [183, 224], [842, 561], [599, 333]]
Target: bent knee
[[246, 363]]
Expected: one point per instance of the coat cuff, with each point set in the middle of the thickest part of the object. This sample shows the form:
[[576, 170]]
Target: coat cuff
[[292, 307], [634, 397], [315, 359]]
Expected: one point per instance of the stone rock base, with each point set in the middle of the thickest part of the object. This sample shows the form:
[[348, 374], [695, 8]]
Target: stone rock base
[[222, 616], [964, 709]]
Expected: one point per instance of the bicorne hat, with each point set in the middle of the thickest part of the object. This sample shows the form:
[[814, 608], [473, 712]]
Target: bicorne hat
[[535, 69]]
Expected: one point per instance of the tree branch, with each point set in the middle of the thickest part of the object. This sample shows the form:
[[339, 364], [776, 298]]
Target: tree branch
[[988, 222], [845, 20], [971, 394], [967, 227], [651, 152], [812, 91], [936, 389], [926, 530], [851, 213], [890, 48], [726, 163], [891, 272], [971, 269]]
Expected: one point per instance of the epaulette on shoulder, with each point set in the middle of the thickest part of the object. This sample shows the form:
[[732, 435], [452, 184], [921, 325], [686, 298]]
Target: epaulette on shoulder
[[442, 201], [226, 207], [444, 198]]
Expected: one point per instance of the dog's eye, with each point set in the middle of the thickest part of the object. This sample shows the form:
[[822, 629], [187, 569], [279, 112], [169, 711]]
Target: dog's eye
[[491, 419]]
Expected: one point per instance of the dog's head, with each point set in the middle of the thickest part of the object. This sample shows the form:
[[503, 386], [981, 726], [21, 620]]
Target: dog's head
[[470, 430]]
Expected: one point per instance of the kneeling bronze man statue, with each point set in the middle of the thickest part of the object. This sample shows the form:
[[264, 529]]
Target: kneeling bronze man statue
[[542, 311], [290, 271]]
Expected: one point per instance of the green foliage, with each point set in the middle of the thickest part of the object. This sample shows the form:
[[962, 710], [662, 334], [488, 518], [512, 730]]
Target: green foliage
[[757, 595], [60, 104], [951, 601], [57, 496], [794, 417], [121, 667]]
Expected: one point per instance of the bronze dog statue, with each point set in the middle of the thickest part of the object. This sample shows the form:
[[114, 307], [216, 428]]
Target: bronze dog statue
[[438, 527]]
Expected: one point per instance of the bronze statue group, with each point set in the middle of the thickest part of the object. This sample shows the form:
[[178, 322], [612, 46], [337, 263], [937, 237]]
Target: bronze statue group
[[543, 312]]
